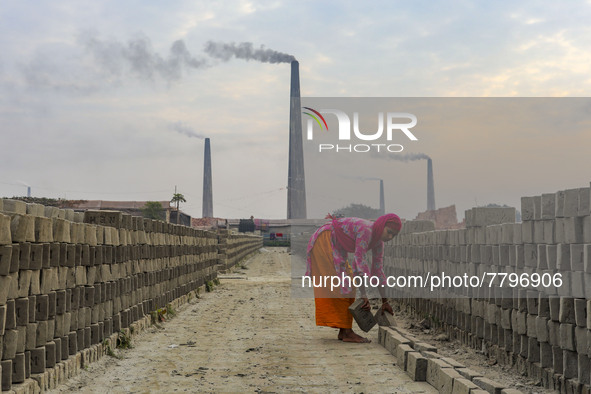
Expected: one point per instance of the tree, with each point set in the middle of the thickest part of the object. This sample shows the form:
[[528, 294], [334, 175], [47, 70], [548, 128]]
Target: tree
[[152, 210], [358, 211], [177, 198]]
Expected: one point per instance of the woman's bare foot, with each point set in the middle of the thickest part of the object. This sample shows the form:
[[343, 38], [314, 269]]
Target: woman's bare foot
[[347, 335]]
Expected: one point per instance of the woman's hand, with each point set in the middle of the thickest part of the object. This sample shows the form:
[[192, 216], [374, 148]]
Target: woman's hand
[[365, 304], [387, 308]]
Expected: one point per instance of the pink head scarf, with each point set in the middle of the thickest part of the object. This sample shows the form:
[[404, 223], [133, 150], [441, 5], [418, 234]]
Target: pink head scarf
[[389, 220]]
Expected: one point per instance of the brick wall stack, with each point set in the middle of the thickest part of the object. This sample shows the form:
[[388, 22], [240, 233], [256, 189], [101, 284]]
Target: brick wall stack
[[544, 332], [233, 247], [68, 281]]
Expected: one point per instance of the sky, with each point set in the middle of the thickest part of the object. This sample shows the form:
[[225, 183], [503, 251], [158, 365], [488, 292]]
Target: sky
[[111, 100], [483, 151]]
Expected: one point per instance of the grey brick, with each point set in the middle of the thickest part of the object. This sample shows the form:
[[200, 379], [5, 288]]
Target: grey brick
[[489, 385]]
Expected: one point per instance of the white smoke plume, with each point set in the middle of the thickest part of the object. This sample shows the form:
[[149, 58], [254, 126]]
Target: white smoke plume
[[246, 51], [185, 130]]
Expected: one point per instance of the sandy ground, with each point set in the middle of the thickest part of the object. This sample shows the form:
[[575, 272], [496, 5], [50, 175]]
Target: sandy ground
[[248, 335]]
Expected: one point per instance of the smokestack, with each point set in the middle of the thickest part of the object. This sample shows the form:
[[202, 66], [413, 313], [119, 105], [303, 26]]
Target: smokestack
[[296, 182], [430, 186], [382, 205], [28, 191], [207, 208]]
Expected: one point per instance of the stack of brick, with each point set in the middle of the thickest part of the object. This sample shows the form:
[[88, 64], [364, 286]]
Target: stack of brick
[[68, 281], [422, 363], [544, 330], [417, 226], [223, 235], [233, 247]]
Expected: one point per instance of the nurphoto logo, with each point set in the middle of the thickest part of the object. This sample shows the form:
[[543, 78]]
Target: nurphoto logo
[[395, 122]]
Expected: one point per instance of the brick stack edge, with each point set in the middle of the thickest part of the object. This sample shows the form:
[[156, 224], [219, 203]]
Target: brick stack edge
[[422, 363], [70, 281], [542, 333], [234, 247]]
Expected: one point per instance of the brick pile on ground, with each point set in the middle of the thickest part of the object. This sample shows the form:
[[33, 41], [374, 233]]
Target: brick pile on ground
[[71, 283]]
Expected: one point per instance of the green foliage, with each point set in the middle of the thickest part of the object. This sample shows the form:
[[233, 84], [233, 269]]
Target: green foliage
[[170, 312], [436, 321], [162, 314], [208, 286], [155, 318], [358, 211], [153, 210], [177, 198], [124, 340], [109, 352]]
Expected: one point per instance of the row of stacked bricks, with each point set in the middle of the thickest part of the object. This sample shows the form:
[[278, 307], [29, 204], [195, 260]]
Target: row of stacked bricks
[[233, 247], [70, 280], [223, 235], [422, 363], [241, 245], [544, 330]]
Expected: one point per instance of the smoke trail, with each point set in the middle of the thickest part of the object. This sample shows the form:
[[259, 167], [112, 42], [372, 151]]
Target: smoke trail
[[246, 51], [23, 183], [185, 130], [361, 178], [405, 157], [108, 62], [139, 57], [367, 178], [409, 157]]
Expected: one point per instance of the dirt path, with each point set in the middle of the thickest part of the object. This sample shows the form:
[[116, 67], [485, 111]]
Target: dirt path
[[249, 335]]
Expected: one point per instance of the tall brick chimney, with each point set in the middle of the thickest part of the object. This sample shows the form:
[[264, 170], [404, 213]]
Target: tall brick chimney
[[430, 186], [296, 181], [207, 206]]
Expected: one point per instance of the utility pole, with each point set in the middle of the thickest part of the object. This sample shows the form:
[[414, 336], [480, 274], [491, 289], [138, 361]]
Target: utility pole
[[177, 206]]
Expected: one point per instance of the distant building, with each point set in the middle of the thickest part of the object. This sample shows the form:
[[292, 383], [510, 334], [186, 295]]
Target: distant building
[[444, 218], [209, 223]]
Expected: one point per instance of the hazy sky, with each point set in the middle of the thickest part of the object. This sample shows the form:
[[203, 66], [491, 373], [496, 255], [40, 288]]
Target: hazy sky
[[484, 150], [111, 99]]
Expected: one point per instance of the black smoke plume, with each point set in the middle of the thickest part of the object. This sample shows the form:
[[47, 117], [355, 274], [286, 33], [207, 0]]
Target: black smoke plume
[[138, 56], [247, 51]]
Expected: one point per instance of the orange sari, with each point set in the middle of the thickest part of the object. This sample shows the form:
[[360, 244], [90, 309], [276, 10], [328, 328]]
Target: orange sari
[[331, 308]]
